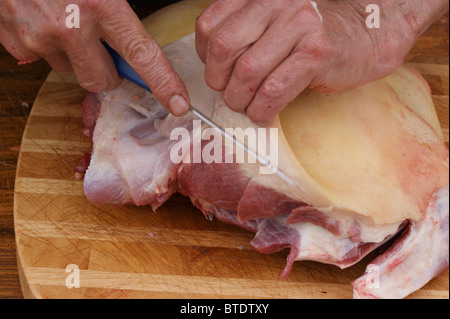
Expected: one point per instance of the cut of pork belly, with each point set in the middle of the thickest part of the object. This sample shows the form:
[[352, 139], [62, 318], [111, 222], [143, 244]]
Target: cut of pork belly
[[365, 163]]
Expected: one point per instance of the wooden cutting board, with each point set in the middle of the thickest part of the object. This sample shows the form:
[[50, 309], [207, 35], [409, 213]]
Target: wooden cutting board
[[132, 252]]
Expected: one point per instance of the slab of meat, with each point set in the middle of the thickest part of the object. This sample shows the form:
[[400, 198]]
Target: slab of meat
[[367, 165], [418, 255]]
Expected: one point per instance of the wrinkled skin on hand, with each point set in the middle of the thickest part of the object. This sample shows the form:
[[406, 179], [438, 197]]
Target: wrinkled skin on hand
[[263, 53], [35, 29]]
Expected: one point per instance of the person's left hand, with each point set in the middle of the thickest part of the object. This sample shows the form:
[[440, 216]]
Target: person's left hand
[[35, 29]]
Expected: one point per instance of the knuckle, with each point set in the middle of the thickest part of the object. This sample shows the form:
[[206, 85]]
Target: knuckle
[[304, 15], [220, 44], [165, 84], [390, 55], [245, 70], [26, 39], [95, 80], [30, 43], [203, 26], [62, 34], [273, 89], [319, 49], [43, 41], [93, 4], [308, 14], [141, 52], [215, 81]]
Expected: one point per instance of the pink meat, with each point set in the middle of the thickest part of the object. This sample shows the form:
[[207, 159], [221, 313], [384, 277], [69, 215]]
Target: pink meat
[[91, 108], [230, 217], [224, 188], [420, 254], [308, 214], [133, 166], [272, 236], [261, 202], [123, 169]]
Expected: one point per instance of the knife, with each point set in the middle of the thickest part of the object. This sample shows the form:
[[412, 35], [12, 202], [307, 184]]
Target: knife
[[127, 72]]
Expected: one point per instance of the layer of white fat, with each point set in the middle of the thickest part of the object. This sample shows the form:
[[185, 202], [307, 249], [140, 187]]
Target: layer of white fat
[[368, 232], [318, 243]]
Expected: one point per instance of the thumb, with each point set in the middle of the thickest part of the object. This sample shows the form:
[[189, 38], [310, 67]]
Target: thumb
[[124, 32]]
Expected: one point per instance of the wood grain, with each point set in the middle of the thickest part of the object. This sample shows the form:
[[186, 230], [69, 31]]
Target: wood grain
[[19, 86], [131, 252], [18, 89]]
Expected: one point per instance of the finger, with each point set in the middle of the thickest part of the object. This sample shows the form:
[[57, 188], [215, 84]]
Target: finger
[[59, 62], [282, 86], [256, 63], [92, 65], [231, 39], [11, 44], [123, 31], [213, 16]]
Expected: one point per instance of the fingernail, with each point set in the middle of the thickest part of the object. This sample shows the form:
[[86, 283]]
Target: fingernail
[[178, 105]]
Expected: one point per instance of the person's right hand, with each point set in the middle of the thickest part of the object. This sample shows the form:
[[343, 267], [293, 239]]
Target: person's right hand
[[35, 29], [263, 53]]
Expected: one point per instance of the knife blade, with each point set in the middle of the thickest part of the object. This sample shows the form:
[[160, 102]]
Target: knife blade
[[127, 72]]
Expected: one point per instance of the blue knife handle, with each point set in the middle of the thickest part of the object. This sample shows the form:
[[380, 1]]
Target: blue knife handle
[[124, 69]]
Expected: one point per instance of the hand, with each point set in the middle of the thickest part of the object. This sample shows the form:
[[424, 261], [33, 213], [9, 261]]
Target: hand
[[34, 29], [263, 53]]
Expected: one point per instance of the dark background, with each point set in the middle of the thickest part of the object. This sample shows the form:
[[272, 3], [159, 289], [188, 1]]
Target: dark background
[[144, 8]]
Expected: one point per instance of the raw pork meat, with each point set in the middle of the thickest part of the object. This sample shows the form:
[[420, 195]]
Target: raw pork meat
[[367, 165]]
